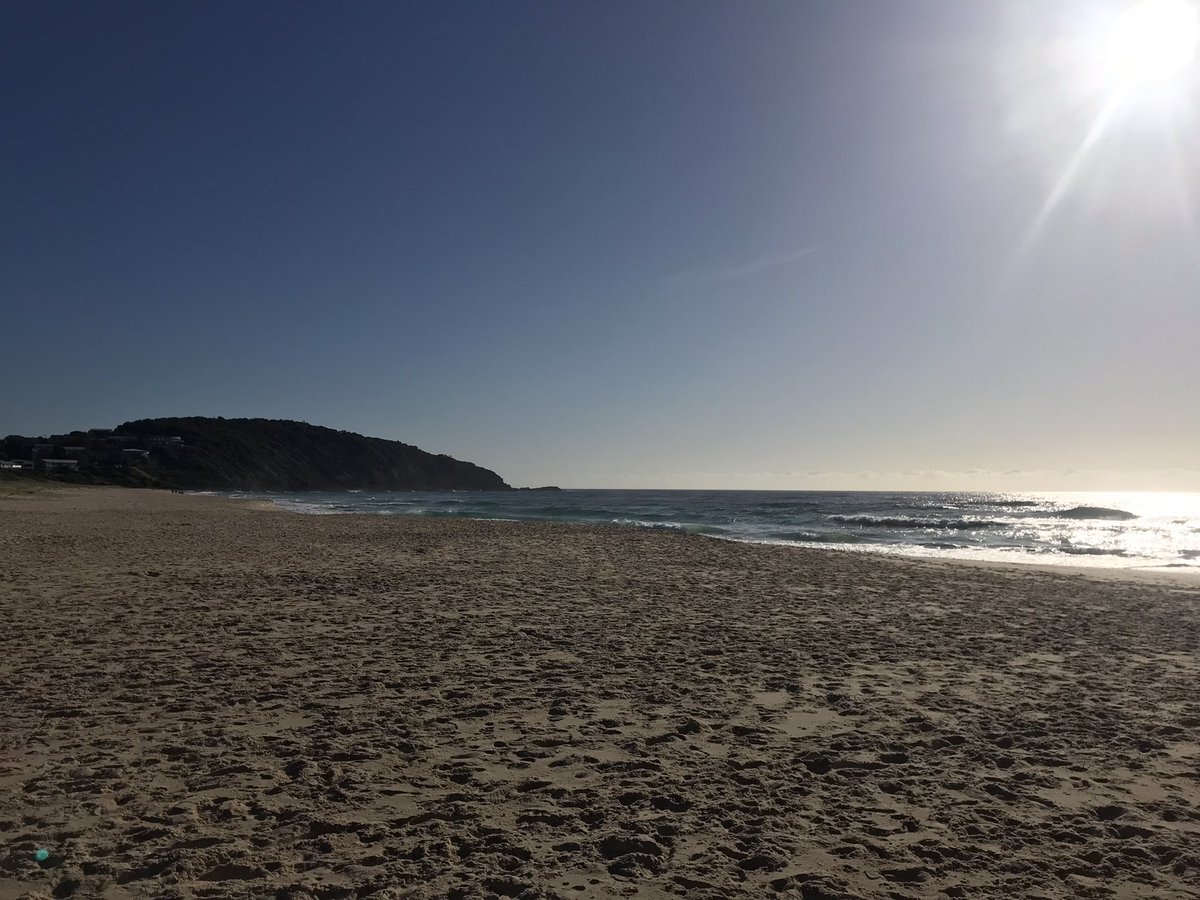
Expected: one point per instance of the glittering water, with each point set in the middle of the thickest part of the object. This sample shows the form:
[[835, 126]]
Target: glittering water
[[1099, 529]]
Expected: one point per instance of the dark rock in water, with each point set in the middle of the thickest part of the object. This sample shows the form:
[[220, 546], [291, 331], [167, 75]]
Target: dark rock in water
[[548, 487], [1095, 512]]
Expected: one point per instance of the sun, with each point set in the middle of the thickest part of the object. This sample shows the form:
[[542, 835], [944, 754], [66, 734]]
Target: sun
[[1150, 42], [1107, 94]]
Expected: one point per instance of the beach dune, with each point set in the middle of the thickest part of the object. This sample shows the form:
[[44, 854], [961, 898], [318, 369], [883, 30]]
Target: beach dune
[[200, 698]]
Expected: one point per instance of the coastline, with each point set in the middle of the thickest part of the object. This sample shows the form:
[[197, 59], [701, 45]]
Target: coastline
[[1168, 576], [1066, 531], [210, 699]]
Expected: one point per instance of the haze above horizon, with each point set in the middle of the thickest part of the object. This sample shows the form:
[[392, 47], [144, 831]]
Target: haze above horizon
[[912, 245]]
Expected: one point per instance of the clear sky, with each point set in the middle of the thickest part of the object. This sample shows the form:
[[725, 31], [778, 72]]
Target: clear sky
[[614, 244]]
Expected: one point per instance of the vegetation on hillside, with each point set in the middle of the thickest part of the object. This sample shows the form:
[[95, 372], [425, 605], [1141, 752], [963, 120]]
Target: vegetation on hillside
[[264, 455]]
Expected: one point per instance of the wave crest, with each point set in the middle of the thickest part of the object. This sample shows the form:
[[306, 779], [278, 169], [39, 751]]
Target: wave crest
[[914, 522], [691, 527], [813, 537], [1092, 551]]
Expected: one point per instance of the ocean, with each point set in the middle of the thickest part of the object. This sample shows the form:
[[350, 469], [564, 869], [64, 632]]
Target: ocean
[[1126, 530]]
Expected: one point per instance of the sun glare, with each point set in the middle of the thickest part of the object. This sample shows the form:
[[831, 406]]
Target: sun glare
[[1150, 42], [1116, 88]]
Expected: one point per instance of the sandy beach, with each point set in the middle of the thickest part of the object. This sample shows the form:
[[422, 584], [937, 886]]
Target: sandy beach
[[201, 698]]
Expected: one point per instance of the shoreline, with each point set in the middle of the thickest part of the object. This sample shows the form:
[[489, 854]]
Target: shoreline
[[1171, 576], [1186, 580], [209, 700]]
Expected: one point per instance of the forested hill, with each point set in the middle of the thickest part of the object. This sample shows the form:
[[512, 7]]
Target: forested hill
[[200, 453], [281, 455]]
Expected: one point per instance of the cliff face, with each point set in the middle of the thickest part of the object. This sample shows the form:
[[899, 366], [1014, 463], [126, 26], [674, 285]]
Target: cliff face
[[281, 455]]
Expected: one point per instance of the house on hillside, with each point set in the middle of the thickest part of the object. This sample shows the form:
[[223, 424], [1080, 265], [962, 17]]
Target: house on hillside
[[11, 465], [60, 465]]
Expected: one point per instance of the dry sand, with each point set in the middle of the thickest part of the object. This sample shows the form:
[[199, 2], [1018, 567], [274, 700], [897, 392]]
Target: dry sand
[[205, 699]]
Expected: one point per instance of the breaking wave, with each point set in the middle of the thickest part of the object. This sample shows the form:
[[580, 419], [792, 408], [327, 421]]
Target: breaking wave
[[812, 537], [914, 522], [672, 526], [995, 526], [1092, 551]]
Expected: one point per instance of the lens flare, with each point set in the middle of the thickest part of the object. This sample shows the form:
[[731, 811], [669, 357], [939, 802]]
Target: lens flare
[[1152, 41]]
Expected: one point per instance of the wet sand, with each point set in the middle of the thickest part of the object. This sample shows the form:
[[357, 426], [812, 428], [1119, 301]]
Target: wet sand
[[200, 698]]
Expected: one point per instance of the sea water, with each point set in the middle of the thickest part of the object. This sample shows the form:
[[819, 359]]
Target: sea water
[[1127, 530]]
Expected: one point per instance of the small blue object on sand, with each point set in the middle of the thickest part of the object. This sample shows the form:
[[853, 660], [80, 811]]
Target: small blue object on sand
[[42, 855]]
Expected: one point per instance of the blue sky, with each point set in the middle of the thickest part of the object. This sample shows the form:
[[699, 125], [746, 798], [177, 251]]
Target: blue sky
[[610, 244]]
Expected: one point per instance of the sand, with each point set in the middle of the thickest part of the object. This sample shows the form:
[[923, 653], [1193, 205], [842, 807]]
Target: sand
[[205, 699]]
